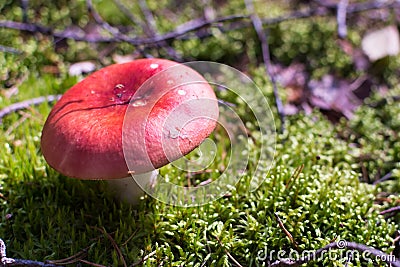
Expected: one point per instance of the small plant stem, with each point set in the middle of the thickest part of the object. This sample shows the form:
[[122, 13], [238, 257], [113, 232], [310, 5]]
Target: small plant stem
[[145, 258], [228, 254], [287, 233]]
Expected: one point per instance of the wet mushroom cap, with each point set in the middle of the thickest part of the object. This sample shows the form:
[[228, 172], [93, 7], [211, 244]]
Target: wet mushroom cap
[[103, 122]]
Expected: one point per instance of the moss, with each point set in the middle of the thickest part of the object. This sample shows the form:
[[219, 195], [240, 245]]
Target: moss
[[46, 216]]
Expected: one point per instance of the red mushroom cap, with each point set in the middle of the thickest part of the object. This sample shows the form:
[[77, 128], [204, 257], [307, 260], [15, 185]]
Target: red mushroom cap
[[105, 123]]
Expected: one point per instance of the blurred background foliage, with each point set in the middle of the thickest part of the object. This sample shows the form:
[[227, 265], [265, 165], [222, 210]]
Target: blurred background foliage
[[351, 168]]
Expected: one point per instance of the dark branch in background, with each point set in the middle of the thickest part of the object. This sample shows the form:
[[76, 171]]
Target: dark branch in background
[[26, 104], [105, 25], [113, 30], [326, 10], [151, 27], [263, 37], [99, 20], [364, 250], [127, 13], [341, 18], [24, 5], [181, 30], [156, 39], [151, 24], [190, 26]]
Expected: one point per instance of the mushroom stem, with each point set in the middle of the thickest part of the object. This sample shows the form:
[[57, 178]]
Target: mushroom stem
[[127, 190]]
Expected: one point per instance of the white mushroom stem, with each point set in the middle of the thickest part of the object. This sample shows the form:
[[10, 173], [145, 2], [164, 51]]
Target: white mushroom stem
[[128, 190]]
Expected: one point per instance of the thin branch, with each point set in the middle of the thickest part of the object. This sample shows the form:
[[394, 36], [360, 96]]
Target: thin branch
[[187, 27], [127, 13], [16, 124], [99, 20], [145, 258], [129, 238], [341, 18], [325, 10], [24, 6], [318, 254], [151, 26], [181, 30], [26, 104], [72, 259], [263, 37], [384, 178], [205, 260], [115, 245], [8, 49], [391, 210]]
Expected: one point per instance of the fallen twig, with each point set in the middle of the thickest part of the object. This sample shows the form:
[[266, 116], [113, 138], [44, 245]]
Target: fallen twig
[[181, 30], [391, 210], [189, 26], [72, 259], [145, 258], [228, 254], [26, 104], [8, 49], [287, 233], [318, 254], [115, 245], [5, 262]]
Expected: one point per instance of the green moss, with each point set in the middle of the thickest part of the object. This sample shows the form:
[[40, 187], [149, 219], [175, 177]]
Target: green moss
[[48, 216], [374, 135], [312, 42]]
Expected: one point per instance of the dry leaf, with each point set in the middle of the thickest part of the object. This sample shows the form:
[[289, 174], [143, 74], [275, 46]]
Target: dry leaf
[[381, 43]]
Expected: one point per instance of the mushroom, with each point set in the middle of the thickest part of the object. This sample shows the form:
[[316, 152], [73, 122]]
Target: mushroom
[[129, 118]]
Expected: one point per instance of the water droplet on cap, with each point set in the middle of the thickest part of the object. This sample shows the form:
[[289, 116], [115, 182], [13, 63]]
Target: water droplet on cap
[[181, 92], [154, 65], [174, 133], [139, 103]]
